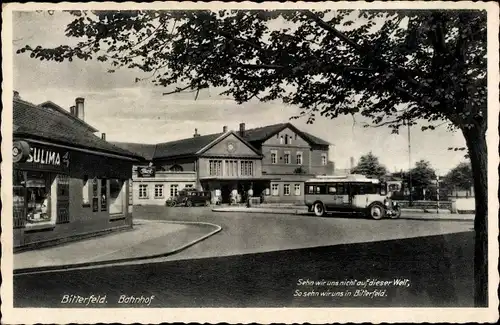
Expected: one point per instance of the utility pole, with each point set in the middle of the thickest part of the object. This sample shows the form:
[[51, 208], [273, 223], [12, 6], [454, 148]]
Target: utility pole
[[437, 191], [410, 203]]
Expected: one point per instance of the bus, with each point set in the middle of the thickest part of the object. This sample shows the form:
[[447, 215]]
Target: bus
[[351, 193]]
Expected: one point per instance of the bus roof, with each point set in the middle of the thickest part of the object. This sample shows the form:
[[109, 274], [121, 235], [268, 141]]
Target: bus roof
[[342, 179]]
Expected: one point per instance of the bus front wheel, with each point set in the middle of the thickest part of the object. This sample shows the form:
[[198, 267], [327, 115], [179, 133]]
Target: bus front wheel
[[319, 209], [376, 211]]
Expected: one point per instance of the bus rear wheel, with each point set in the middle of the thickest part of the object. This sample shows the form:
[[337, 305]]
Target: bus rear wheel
[[376, 211], [319, 209]]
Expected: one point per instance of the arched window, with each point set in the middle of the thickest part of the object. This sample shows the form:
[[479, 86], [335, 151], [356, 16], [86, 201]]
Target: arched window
[[176, 168], [286, 139]]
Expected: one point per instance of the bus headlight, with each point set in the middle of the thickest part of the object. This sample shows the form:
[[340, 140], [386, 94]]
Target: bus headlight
[[386, 203]]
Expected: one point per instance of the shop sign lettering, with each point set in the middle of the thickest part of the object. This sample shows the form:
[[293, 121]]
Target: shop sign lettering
[[46, 156], [148, 171]]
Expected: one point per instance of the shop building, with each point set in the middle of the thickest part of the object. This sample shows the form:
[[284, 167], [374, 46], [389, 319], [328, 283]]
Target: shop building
[[68, 182], [273, 160]]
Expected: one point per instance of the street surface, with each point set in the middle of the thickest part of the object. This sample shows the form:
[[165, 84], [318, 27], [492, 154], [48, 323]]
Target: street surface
[[244, 233], [257, 260]]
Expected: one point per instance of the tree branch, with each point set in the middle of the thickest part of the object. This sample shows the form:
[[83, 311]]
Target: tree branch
[[178, 90], [362, 50], [382, 123]]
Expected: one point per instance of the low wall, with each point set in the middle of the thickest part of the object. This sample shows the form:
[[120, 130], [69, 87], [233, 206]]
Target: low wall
[[426, 204], [454, 205]]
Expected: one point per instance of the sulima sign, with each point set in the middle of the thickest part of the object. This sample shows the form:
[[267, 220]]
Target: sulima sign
[[24, 152], [47, 157]]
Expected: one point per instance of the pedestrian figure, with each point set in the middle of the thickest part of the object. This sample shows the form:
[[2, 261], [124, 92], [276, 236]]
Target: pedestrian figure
[[249, 196]]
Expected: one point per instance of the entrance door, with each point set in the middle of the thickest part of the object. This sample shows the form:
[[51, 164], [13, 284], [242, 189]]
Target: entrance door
[[225, 193]]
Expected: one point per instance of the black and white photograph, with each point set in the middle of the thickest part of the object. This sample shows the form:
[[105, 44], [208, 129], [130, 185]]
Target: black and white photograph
[[250, 162]]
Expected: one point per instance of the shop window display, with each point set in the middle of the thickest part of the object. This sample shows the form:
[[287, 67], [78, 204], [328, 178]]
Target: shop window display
[[38, 194], [116, 195], [104, 198], [19, 198]]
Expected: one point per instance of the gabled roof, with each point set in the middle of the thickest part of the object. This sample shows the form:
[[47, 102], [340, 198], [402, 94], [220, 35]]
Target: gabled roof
[[184, 147], [147, 151], [181, 148], [193, 146], [61, 110], [40, 123], [222, 137], [263, 133]]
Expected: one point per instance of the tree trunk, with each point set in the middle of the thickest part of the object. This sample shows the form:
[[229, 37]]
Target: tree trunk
[[476, 143]]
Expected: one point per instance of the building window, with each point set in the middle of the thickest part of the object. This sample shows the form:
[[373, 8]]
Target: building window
[[95, 195], [62, 204], [104, 195], [323, 159], [281, 140], [287, 158], [86, 191], [38, 193], [299, 158], [158, 191], [274, 189], [189, 186], [246, 168], [116, 196], [286, 139], [297, 189], [174, 189], [143, 191], [286, 189], [215, 167], [231, 168], [274, 157], [19, 198]]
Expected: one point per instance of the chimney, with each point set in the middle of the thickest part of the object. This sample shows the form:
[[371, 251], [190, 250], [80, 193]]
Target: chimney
[[16, 94], [72, 110], [224, 129], [80, 110], [103, 136], [195, 133], [242, 129]]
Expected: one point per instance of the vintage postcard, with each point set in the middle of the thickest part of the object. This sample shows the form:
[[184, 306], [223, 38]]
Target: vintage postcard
[[250, 162]]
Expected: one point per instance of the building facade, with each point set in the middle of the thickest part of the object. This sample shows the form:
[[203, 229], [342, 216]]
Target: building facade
[[274, 161], [67, 182]]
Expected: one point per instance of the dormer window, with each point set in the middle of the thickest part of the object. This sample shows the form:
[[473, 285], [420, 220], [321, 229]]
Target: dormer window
[[176, 168]]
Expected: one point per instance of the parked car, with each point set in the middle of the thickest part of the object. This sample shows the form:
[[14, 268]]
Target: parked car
[[190, 197]]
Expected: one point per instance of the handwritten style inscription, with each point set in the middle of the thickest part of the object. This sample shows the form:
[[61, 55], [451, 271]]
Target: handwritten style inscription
[[370, 288]]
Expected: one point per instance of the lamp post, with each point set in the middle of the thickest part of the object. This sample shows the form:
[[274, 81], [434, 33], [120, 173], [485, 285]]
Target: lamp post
[[437, 191], [410, 202]]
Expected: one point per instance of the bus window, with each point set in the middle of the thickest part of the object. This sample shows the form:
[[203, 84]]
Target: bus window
[[341, 189], [320, 189], [310, 189], [332, 189], [383, 188], [356, 189]]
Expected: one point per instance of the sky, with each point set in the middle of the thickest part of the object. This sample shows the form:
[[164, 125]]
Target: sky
[[138, 112]]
